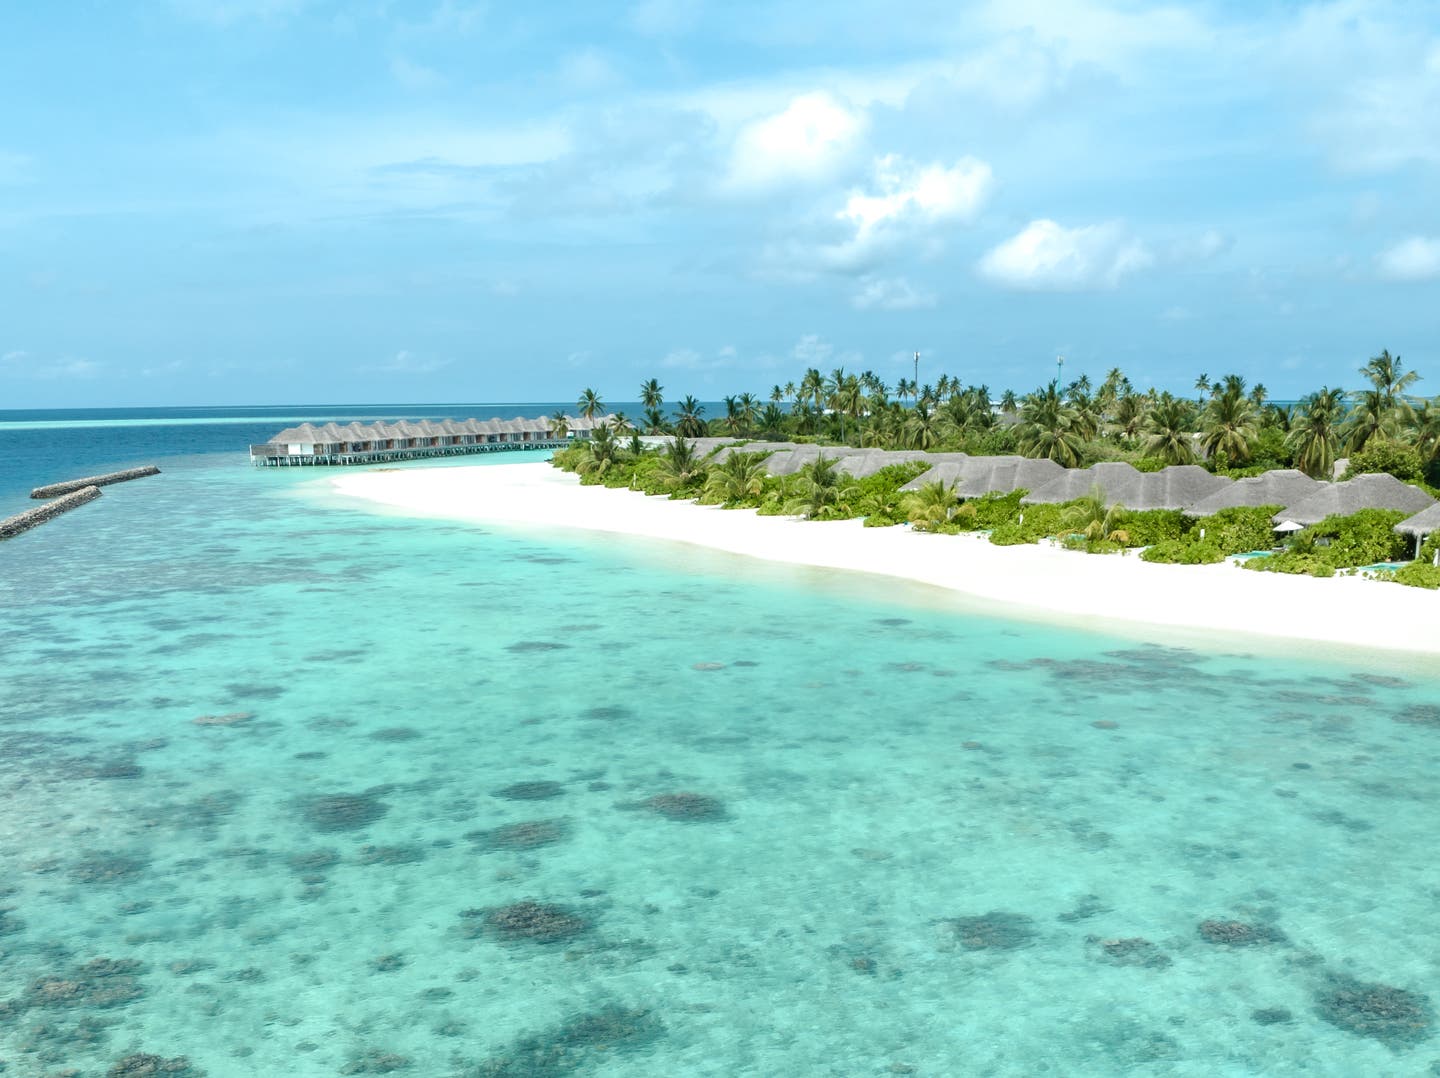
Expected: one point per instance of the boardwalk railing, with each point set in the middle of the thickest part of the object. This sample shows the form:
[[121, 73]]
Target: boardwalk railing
[[272, 455]]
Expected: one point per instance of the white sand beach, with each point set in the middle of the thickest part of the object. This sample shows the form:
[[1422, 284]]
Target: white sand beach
[[1038, 581]]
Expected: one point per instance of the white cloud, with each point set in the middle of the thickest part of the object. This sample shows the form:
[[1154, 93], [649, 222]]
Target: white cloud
[[1415, 259], [808, 141], [1046, 256], [1104, 34], [664, 18], [22, 364], [889, 294], [413, 76], [406, 362]]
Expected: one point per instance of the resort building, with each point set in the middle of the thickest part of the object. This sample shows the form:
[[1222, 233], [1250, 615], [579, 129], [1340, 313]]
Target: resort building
[[368, 443]]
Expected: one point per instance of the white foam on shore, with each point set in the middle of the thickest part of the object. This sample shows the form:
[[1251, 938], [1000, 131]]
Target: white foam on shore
[[1031, 581]]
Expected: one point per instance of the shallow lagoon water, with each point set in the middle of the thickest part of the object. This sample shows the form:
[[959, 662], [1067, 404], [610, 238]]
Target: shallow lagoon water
[[921, 838]]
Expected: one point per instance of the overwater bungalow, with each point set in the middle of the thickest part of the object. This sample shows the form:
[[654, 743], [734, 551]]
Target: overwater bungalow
[[370, 443]]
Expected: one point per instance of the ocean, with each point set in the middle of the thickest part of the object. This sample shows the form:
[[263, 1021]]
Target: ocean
[[290, 787]]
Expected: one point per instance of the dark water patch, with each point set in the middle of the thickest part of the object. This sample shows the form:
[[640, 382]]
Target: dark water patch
[[1271, 1016], [105, 867], [1420, 715], [536, 790], [608, 712], [10, 925], [396, 733], [1137, 669], [584, 1042], [707, 666], [994, 931], [687, 807], [229, 718], [525, 921], [243, 690], [1336, 818], [745, 663], [313, 754], [1394, 1016], [1128, 951], [526, 835], [203, 813], [892, 623], [119, 769], [186, 967], [343, 812], [391, 855], [1240, 933], [388, 963], [1384, 681], [582, 627], [149, 1065], [338, 655], [376, 1061], [308, 862], [526, 647], [99, 984]]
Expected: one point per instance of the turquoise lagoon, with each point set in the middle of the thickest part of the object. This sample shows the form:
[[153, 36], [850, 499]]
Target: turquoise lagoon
[[428, 823]]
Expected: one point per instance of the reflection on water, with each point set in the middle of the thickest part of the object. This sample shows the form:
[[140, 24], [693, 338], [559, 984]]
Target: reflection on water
[[291, 790]]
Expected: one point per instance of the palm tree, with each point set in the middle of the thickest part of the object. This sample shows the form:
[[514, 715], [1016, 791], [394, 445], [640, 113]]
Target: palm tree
[[655, 421], [749, 411], [732, 414], [790, 391], [590, 403], [1427, 430], [559, 425], [602, 452], [930, 506], [740, 475], [1372, 419], [777, 394], [1313, 435], [652, 393], [772, 420], [1129, 415], [1046, 427], [620, 422], [681, 466], [1259, 395], [1008, 404], [1095, 520], [1388, 375], [922, 428], [1167, 428], [820, 487], [848, 399], [1230, 423], [1202, 386], [812, 387], [688, 423]]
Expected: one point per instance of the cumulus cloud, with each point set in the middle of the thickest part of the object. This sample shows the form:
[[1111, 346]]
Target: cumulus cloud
[[1415, 259], [808, 141], [1046, 256], [889, 294]]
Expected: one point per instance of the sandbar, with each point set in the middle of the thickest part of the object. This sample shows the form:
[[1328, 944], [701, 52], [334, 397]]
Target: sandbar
[[1030, 581]]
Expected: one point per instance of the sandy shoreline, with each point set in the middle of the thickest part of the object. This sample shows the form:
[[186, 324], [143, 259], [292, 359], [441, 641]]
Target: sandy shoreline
[[1031, 581]]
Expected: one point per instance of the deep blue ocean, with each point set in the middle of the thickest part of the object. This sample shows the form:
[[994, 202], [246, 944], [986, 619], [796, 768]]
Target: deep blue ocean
[[292, 787]]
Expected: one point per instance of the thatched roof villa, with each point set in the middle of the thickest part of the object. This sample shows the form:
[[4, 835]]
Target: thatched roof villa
[[1380, 491]]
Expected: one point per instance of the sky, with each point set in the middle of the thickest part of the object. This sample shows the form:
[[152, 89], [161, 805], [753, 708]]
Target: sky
[[289, 201]]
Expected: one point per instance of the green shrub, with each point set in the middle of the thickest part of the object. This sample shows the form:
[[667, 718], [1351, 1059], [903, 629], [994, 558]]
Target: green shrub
[[1401, 461], [1183, 552], [1418, 574], [1294, 562], [1151, 464], [1150, 526], [1031, 524], [1362, 538], [1239, 529]]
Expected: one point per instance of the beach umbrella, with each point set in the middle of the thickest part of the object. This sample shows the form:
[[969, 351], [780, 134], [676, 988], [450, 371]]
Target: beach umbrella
[[1287, 527]]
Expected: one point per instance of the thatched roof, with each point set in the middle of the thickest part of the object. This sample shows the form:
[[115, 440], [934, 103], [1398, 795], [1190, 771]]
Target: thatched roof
[[1425, 522], [1284, 486], [1363, 492], [1176, 487], [1114, 478]]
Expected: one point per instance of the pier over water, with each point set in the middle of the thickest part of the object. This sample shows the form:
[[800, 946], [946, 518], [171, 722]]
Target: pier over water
[[370, 443]]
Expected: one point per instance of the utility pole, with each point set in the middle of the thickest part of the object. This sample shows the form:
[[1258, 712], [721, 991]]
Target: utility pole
[[1059, 363], [916, 382]]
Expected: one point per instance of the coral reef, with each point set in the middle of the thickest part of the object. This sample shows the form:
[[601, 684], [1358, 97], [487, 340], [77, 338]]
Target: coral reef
[[376, 1061], [689, 807], [1420, 715], [396, 733], [100, 983], [575, 1045], [232, 718], [526, 835], [105, 867], [1239, 933], [1129, 951], [994, 931], [1394, 1016], [527, 920], [144, 1065], [608, 712], [1271, 1016], [312, 861], [536, 790], [343, 812], [523, 647], [391, 855]]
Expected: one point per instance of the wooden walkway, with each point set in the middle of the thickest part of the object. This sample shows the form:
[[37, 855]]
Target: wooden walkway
[[273, 456]]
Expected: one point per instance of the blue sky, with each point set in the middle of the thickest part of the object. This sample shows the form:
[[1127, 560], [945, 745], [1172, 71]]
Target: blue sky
[[257, 201]]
